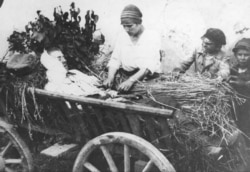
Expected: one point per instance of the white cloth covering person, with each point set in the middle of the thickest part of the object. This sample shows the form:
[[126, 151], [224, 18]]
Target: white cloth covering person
[[65, 81]]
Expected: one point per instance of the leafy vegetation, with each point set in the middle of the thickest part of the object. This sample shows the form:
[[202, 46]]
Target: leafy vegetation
[[64, 32]]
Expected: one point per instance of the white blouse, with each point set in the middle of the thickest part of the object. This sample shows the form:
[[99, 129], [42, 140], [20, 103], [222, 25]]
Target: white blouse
[[143, 54]]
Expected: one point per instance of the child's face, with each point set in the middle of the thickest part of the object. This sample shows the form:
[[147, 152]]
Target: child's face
[[243, 57]]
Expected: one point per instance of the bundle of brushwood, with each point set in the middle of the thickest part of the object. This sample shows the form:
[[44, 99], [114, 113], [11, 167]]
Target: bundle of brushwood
[[16, 92], [208, 102], [207, 121]]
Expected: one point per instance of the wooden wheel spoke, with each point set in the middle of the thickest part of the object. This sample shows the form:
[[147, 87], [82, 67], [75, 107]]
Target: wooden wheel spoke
[[148, 166], [109, 159], [126, 144], [126, 159], [3, 152], [14, 153], [13, 161], [91, 167]]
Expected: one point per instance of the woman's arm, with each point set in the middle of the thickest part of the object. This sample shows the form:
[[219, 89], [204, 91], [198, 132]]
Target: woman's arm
[[127, 85], [108, 83]]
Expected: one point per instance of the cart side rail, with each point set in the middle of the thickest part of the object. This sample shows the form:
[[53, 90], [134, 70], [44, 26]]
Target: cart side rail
[[90, 117], [103, 103]]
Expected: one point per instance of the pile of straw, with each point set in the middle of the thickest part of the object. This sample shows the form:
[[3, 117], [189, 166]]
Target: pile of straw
[[209, 103], [208, 119]]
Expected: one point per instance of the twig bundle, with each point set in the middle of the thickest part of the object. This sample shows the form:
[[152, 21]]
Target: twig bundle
[[208, 117], [208, 102], [36, 80]]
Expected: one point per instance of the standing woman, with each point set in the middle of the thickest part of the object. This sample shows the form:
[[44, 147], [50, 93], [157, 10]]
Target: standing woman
[[136, 53]]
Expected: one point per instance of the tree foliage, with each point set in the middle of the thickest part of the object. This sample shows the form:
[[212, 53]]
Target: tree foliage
[[63, 32]]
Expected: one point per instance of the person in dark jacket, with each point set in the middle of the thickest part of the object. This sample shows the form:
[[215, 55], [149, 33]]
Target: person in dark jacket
[[240, 81], [209, 59]]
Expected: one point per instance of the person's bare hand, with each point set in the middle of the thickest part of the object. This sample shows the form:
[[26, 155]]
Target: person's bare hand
[[176, 75], [207, 75], [125, 86], [108, 83], [176, 70]]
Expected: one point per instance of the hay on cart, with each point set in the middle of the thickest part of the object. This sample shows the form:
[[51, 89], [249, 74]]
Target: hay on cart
[[206, 124]]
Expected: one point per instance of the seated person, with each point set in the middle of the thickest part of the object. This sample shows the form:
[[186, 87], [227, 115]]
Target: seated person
[[137, 51], [240, 80], [209, 59]]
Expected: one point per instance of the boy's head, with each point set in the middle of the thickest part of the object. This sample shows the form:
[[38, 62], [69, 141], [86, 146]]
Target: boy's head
[[242, 52]]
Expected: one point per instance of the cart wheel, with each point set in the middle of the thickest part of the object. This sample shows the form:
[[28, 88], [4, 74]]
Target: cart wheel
[[131, 147], [14, 154]]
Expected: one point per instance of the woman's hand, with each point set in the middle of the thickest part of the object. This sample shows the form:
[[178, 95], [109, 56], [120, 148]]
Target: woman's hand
[[126, 85], [108, 83]]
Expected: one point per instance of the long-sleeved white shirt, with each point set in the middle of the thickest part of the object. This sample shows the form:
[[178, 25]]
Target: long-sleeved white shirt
[[143, 54]]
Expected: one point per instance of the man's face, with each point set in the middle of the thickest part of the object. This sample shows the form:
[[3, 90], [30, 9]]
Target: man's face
[[208, 46], [132, 29], [243, 57]]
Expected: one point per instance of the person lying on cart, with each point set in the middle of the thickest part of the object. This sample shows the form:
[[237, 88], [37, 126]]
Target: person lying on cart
[[209, 59], [240, 80], [136, 53], [63, 80]]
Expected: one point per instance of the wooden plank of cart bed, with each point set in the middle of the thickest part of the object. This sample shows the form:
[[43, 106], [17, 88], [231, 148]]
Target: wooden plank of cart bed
[[94, 101]]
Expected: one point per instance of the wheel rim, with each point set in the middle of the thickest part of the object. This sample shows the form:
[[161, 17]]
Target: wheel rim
[[2, 165], [14, 154], [129, 141]]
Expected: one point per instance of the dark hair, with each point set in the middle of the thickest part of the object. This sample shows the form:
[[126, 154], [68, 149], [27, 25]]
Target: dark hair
[[242, 44], [215, 35]]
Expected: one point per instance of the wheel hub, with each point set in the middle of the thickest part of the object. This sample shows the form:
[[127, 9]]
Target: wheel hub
[[2, 164]]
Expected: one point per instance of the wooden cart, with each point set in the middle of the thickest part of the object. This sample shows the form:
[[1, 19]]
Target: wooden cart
[[111, 136], [136, 133]]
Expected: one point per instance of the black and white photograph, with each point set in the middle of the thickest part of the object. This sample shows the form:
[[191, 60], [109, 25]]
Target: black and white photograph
[[125, 86]]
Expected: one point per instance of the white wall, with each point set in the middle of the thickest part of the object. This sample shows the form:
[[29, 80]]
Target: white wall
[[180, 22]]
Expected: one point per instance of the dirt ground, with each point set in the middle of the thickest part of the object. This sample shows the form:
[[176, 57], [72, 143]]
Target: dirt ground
[[47, 164]]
